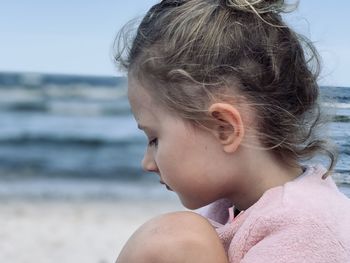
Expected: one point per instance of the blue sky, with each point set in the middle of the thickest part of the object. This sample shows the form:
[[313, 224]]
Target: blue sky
[[75, 36]]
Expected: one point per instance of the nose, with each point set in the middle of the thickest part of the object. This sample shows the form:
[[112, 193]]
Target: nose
[[148, 163]]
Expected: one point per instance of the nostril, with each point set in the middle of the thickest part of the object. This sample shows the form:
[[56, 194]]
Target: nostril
[[150, 168]]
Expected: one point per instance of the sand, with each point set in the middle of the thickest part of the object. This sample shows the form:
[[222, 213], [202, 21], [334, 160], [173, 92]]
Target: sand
[[76, 230], [66, 231]]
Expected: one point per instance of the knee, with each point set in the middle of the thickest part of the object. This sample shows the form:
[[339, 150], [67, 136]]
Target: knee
[[175, 237]]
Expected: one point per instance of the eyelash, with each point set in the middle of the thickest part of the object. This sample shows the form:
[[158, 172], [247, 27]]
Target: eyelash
[[153, 142]]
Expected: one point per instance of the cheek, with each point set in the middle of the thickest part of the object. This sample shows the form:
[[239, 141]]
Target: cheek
[[178, 158], [166, 162], [170, 162]]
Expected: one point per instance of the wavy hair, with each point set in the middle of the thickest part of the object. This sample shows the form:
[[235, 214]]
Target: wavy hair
[[191, 52]]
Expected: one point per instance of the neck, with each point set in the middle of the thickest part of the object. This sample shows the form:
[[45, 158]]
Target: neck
[[263, 173]]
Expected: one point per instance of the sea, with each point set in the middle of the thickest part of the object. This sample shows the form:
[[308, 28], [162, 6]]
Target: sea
[[73, 137]]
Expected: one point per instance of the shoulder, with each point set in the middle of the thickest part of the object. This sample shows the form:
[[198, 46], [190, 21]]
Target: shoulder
[[308, 196], [309, 199], [307, 214], [288, 233], [316, 198]]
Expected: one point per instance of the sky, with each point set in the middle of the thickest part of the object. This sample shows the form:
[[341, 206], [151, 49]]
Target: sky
[[76, 36]]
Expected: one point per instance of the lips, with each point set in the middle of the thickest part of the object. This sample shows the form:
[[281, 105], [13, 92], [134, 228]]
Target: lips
[[167, 186]]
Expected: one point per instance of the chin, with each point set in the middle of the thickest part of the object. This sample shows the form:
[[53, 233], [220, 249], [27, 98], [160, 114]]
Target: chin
[[192, 205]]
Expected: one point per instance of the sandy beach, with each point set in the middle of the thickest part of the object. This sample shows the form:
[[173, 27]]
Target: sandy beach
[[86, 231], [75, 229]]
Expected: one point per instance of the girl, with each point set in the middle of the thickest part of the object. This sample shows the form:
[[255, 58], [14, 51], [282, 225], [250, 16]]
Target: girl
[[227, 94]]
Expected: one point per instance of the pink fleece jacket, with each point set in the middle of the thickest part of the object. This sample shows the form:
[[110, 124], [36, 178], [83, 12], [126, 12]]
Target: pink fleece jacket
[[305, 220]]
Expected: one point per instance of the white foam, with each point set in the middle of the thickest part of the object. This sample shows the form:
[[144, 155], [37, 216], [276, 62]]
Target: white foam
[[338, 105]]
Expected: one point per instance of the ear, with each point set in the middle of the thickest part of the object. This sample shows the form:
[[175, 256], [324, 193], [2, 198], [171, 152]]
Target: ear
[[229, 128]]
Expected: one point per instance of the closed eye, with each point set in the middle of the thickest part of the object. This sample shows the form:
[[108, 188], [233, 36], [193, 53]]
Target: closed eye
[[153, 142]]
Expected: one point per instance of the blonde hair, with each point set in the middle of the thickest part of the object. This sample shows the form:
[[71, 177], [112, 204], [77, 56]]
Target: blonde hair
[[189, 52]]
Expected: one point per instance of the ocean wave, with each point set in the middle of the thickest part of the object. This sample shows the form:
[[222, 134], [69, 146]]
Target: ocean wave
[[344, 148], [342, 99], [29, 80], [24, 107], [75, 188], [89, 108], [342, 177], [69, 108], [25, 139], [338, 105], [341, 118]]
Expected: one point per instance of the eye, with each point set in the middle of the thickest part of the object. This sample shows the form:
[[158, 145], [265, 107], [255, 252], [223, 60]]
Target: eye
[[153, 142]]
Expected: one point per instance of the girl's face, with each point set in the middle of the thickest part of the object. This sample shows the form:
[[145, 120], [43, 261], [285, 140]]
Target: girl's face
[[188, 160]]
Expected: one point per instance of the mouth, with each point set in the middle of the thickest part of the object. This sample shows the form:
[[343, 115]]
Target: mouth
[[167, 186]]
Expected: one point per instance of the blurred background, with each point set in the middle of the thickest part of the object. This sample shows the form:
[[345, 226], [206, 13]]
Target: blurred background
[[71, 185]]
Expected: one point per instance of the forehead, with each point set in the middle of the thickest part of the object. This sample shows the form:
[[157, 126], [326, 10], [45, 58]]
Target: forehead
[[142, 105], [137, 94]]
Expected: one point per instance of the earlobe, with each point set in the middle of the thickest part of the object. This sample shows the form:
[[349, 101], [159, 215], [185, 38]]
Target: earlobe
[[228, 127]]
